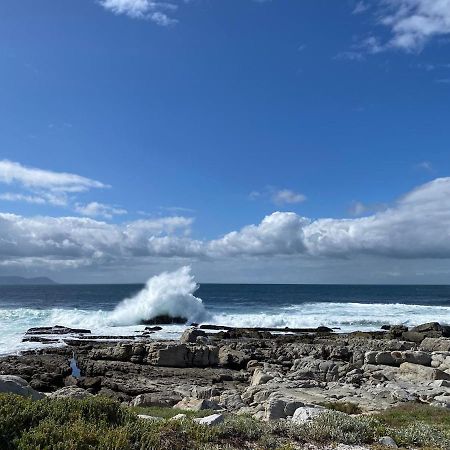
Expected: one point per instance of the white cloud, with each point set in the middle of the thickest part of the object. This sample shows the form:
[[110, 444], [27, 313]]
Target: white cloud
[[361, 7], [417, 226], [412, 23], [29, 177], [154, 11], [43, 186], [286, 196], [425, 165], [12, 197], [95, 209], [278, 196]]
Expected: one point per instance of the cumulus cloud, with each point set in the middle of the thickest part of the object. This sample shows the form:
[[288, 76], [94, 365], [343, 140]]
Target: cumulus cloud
[[96, 209], [416, 226], [154, 11]]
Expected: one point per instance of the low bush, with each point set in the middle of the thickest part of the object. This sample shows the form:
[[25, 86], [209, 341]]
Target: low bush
[[102, 424]]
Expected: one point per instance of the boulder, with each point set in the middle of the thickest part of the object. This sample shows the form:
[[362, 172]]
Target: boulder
[[279, 406], [204, 392], [194, 404], [191, 334], [70, 392], [306, 414], [417, 372], [442, 401], [396, 358], [234, 359], [435, 345], [12, 384], [260, 377], [387, 441], [433, 327], [164, 320], [161, 399], [231, 400], [151, 418], [214, 419]]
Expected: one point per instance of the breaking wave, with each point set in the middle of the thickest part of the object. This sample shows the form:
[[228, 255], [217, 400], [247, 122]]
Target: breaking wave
[[168, 294]]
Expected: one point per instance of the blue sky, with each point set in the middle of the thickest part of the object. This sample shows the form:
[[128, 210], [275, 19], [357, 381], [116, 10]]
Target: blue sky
[[192, 120]]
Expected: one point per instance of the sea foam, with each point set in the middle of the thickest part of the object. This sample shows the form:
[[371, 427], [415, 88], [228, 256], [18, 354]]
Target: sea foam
[[168, 294]]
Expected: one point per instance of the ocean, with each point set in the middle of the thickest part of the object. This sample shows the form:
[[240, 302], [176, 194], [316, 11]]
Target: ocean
[[118, 309]]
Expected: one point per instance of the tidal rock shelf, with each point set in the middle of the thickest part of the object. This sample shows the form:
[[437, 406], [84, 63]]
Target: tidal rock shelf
[[270, 375]]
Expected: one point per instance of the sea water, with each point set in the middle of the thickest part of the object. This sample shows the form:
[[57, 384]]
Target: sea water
[[119, 309]]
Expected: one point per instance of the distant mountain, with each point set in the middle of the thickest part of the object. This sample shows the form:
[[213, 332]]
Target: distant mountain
[[23, 280]]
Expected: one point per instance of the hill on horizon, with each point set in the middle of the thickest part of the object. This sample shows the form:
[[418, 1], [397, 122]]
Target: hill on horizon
[[14, 280]]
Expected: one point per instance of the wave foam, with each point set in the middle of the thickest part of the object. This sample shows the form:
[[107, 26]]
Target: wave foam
[[168, 294]]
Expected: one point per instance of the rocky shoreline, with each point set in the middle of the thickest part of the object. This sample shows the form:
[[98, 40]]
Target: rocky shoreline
[[268, 374]]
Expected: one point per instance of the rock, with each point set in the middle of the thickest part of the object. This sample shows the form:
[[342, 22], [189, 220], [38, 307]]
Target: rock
[[435, 345], [204, 392], [387, 441], [214, 419], [231, 400], [194, 404], [164, 320], [311, 368], [161, 399], [396, 358], [434, 327], [421, 373], [260, 377], [183, 355], [152, 418], [190, 335], [179, 417], [413, 336], [152, 329], [234, 359], [442, 401], [280, 407], [57, 329], [306, 414], [11, 384], [71, 392]]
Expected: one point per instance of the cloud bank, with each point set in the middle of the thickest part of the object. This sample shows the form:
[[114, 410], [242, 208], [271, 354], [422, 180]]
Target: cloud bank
[[416, 226]]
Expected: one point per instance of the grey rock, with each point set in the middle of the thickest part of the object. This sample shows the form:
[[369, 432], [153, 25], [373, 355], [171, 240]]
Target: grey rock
[[435, 345], [306, 414], [151, 418], [12, 384], [279, 407], [214, 419], [387, 441], [422, 373], [190, 335], [260, 377], [194, 404], [234, 359], [71, 392], [162, 399]]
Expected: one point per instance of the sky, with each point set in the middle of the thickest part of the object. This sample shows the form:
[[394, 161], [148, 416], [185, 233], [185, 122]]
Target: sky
[[276, 141]]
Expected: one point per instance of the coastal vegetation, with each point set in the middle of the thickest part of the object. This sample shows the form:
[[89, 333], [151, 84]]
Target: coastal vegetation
[[101, 423]]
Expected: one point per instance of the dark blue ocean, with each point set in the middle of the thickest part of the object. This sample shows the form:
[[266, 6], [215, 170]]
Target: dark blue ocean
[[118, 309]]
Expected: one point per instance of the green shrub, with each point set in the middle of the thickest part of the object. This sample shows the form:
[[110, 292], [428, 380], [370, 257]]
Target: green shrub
[[345, 407], [102, 424]]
